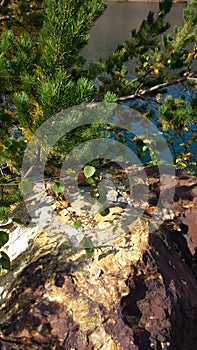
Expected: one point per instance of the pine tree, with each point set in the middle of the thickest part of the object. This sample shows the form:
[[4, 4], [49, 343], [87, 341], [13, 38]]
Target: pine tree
[[40, 67], [42, 72]]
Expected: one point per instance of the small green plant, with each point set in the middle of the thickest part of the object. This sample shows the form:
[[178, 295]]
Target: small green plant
[[88, 246], [10, 193], [89, 171], [4, 258], [4, 211], [90, 174], [77, 224], [91, 177], [147, 146], [58, 188], [89, 252], [104, 211]]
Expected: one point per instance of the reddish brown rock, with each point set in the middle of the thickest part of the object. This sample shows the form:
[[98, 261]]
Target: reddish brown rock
[[138, 293]]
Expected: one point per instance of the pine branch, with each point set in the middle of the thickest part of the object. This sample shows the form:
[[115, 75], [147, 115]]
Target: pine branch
[[155, 88], [58, 40]]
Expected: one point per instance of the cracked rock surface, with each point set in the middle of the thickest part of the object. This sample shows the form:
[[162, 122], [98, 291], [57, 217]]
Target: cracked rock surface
[[138, 292]]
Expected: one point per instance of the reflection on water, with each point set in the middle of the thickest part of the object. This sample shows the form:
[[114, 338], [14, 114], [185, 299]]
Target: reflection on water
[[113, 28], [116, 23]]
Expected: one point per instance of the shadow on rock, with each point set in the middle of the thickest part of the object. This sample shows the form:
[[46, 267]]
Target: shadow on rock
[[161, 307]]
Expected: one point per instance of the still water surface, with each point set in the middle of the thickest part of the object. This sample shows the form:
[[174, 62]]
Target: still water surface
[[114, 27], [116, 23]]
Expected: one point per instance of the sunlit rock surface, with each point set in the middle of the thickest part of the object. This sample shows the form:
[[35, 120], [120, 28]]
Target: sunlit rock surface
[[137, 292]]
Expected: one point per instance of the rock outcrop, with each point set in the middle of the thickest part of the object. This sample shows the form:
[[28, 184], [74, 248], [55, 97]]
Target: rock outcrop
[[136, 293]]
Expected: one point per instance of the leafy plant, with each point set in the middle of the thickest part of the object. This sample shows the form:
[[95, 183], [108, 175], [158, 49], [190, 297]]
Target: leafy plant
[[90, 175], [104, 212], [4, 212], [89, 171], [77, 224], [88, 246], [4, 258], [58, 188]]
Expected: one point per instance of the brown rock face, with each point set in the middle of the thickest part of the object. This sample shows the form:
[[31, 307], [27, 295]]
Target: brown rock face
[[138, 293], [116, 300]]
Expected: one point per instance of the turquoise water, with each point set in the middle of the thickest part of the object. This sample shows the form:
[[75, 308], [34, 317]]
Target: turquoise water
[[112, 28]]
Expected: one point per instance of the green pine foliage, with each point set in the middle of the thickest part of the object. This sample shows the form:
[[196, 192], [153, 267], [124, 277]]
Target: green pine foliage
[[42, 71]]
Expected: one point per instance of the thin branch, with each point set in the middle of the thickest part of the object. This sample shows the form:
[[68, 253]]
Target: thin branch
[[4, 2], [155, 88], [36, 163], [6, 18]]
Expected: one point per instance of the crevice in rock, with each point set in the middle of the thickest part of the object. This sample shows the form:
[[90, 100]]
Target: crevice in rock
[[161, 307], [131, 314]]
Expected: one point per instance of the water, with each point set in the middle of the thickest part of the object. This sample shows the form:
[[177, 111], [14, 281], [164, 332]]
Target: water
[[113, 28], [116, 23]]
